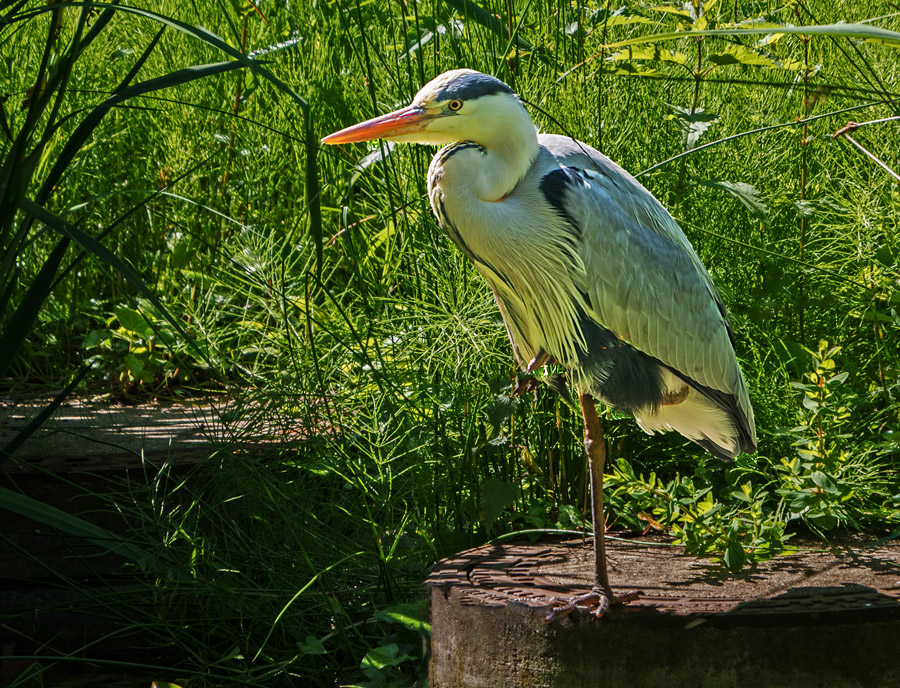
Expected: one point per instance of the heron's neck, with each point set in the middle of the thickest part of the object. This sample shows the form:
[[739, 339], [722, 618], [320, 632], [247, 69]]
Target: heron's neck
[[488, 169]]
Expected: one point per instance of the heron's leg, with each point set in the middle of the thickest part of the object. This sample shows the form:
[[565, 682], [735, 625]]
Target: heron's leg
[[595, 448], [601, 595]]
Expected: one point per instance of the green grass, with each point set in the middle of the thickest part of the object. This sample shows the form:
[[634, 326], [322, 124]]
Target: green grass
[[367, 337]]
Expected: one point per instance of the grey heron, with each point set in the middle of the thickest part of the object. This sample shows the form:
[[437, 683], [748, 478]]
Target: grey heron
[[587, 268]]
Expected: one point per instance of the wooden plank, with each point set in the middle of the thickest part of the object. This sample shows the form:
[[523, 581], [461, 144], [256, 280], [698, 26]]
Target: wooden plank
[[101, 436], [87, 449]]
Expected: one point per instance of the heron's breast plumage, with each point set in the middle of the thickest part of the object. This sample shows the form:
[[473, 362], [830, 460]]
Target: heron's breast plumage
[[528, 254]]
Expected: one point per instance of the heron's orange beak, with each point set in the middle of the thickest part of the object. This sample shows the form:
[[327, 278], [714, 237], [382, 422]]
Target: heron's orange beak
[[409, 120]]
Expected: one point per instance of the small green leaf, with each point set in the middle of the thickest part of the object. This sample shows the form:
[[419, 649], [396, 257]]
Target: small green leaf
[[805, 209], [134, 365], [740, 495], [234, 653], [671, 9], [826, 482], [802, 500], [886, 256], [496, 495], [737, 54], [312, 646], [500, 409], [385, 656], [570, 518], [410, 616], [724, 59], [810, 403], [649, 52], [692, 124], [95, 338], [838, 379], [825, 521], [873, 316], [609, 19], [735, 556], [747, 194]]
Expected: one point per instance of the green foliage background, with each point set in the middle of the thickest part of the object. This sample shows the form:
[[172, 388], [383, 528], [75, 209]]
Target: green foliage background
[[313, 294]]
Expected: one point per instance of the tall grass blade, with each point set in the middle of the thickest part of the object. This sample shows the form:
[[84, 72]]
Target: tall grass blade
[[97, 25], [26, 313], [212, 39], [870, 33], [297, 594], [468, 8], [313, 202], [67, 523], [22, 320], [197, 32]]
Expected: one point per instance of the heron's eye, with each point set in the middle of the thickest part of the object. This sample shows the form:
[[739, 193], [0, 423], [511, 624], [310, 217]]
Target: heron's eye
[[454, 105]]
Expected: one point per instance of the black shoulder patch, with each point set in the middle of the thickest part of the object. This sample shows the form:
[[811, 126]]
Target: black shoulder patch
[[469, 86], [554, 186]]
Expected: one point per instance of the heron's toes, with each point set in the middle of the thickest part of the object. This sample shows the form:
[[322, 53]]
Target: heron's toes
[[524, 385], [596, 603]]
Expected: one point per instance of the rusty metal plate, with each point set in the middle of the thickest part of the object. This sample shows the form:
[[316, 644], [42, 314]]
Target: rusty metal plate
[[849, 582]]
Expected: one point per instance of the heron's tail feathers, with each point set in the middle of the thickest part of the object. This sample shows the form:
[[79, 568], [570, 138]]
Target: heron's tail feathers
[[720, 423]]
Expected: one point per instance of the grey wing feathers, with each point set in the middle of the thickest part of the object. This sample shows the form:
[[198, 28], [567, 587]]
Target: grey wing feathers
[[645, 283], [643, 208]]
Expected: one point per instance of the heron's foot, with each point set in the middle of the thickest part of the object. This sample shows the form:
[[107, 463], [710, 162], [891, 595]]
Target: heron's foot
[[524, 385], [596, 602], [526, 382]]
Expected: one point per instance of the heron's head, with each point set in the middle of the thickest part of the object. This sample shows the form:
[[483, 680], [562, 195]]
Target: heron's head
[[455, 106]]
